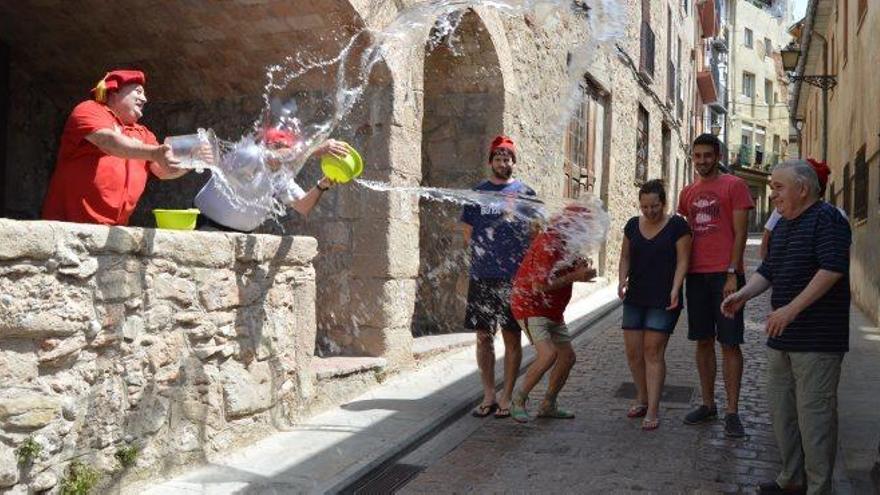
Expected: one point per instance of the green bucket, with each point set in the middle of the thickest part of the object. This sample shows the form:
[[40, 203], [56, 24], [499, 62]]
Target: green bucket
[[343, 169], [176, 219]]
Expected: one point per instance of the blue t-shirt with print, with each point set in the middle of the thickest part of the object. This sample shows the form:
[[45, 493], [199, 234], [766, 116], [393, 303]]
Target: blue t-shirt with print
[[500, 224]]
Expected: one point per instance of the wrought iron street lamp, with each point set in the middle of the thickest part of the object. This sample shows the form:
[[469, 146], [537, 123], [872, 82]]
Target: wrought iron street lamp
[[790, 56]]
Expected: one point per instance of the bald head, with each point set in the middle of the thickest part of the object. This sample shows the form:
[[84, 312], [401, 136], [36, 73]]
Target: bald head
[[795, 187]]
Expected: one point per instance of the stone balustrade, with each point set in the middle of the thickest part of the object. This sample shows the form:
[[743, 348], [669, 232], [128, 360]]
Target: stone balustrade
[[179, 344]]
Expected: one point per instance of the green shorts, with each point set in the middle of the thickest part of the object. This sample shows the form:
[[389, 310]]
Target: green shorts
[[538, 328]]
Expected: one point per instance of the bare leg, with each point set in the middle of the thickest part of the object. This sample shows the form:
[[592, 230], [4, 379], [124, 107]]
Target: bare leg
[[565, 359], [732, 366], [655, 369], [512, 361], [543, 362], [706, 366], [635, 356], [486, 363]]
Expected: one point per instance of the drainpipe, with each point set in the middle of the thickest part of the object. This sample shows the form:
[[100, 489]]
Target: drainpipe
[[824, 100]]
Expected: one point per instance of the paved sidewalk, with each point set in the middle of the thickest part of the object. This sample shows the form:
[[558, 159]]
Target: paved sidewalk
[[334, 449], [603, 451]]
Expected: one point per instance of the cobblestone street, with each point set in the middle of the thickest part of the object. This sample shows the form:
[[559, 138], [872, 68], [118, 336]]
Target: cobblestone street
[[603, 451]]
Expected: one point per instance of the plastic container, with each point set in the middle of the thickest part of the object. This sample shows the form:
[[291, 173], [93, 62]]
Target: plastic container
[[176, 219], [343, 169], [186, 149]]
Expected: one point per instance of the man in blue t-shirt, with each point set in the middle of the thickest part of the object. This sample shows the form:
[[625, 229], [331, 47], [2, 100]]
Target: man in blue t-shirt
[[808, 267], [498, 230]]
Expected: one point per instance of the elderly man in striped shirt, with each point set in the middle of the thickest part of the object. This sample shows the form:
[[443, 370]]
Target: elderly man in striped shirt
[[808, 267]]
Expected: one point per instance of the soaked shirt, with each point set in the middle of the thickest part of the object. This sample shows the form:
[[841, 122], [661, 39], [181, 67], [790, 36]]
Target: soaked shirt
[[541, 265], [501, 232], [88, 185], [252, 181]]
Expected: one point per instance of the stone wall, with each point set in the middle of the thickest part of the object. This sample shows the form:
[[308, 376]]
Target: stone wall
[[180, 344]]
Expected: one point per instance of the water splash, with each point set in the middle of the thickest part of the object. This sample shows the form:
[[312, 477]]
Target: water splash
[[313, 118]]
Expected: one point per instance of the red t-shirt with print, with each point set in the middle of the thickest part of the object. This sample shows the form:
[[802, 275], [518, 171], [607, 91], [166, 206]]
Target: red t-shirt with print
[[539, 266], [708, 206], [88, 185]]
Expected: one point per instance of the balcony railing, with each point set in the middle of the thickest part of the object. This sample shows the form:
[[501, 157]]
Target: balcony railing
[[646, 55]]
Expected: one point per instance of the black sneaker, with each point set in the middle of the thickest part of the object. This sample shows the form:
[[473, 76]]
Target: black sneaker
[[733, 427], [701, 414], [772, 488]]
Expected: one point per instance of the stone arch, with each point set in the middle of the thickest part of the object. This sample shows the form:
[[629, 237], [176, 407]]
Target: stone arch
[[463, 107]]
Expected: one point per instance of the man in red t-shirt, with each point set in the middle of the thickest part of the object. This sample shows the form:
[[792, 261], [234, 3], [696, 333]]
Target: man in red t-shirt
[[541, 291], [717, 207], [105, 156]]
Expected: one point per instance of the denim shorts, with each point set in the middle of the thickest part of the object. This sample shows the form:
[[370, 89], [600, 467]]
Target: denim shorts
[[636, 317]]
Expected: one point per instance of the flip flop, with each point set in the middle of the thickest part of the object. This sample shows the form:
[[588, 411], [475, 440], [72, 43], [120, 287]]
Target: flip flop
[[650, 424], [637, 411], [502, 412], [484, 410], [556, 413]]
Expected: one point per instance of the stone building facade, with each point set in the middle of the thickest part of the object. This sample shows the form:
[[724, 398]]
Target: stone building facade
[[426, 119], [840, 39]]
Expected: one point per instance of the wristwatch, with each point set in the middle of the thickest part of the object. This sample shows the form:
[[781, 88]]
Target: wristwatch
[[318, 185], [731, 270]]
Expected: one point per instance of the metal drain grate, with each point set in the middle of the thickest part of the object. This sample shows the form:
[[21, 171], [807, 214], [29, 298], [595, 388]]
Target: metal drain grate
[[671, 393], [389, 480]]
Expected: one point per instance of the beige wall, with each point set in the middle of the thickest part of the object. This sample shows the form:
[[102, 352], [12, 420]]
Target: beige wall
[[853, 122], [755, 111]]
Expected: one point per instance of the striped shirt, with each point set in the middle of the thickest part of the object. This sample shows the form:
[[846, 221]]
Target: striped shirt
[[818, 239]]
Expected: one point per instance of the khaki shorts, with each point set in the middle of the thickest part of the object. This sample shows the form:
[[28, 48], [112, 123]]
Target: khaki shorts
[[538, 328]]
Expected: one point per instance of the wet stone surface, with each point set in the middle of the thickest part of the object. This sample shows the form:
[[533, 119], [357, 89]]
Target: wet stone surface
[[603, 451]]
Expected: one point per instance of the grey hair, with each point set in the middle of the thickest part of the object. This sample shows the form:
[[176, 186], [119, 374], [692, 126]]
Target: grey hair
[[804, 174]]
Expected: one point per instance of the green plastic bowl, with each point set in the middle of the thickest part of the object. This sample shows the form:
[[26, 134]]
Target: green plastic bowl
[[343, 169], [176, 219]]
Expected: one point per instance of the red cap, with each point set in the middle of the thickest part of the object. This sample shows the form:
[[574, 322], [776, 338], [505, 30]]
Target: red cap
[[822, 171], [279, 136], [502, 142], [116, 79]]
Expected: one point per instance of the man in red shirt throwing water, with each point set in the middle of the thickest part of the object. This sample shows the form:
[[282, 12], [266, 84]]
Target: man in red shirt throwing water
[[105, 156], [717, 208], [541, 291]]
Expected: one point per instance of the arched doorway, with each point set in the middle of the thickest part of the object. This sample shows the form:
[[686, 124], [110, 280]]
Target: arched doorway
[[463, 110]]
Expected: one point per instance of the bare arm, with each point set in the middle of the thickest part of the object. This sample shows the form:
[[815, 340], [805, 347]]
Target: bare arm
[[765, 243], [583, 273], [740, 233], [116, 144], [307, 203], [756, 285], [623, 268], [466, 231], [159, 155], [740, 228], [682, 262]]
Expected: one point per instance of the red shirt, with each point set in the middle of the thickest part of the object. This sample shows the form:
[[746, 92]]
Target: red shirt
[[540, 266], [708, 206], [88, 185]]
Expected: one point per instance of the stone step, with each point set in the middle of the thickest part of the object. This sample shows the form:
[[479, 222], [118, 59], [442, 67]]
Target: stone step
[[328, 368], [431, 345]]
